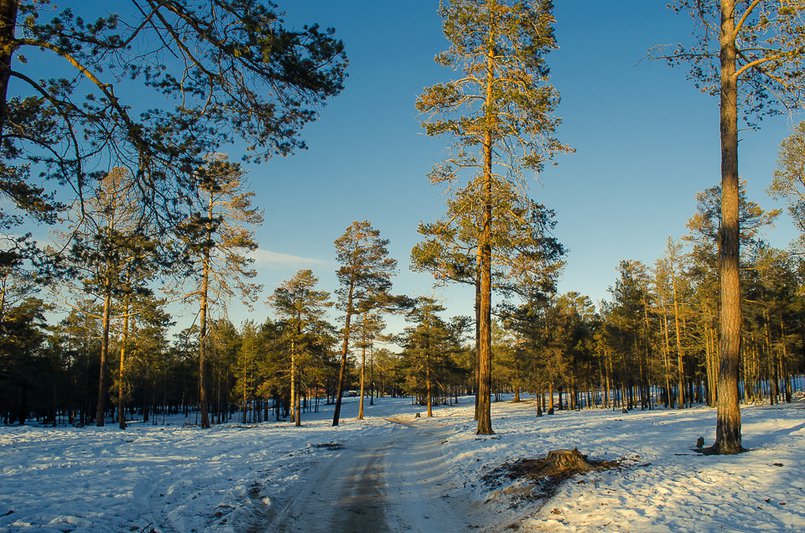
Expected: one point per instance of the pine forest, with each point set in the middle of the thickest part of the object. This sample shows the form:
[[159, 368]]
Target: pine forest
[[350, 266]]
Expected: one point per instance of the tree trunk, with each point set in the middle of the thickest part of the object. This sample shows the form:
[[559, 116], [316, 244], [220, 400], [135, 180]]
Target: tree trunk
[[485, 354], [784, 362], [363, 367], [485, 249], [372, 377], [774, 378], [429, 386], [538, 399], [297, 406], [202, 320], [476, 374], [728, 424], [710, 358], [665, 356], [121, 374], [679, 363], [8, 22], [293, 381], [342, 371], [243, 409], [100, 412]]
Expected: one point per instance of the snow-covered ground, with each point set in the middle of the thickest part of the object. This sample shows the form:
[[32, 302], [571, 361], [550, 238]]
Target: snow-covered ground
[[420, 474]]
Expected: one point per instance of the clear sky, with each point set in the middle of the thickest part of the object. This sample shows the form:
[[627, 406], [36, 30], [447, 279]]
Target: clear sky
[[646, 141]]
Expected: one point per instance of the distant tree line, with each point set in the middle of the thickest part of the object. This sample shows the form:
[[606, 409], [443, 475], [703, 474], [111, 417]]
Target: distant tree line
[[652, 345]]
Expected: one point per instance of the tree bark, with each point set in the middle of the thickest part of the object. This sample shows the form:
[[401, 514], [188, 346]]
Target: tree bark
[[363, 367], [342, 371], [665, 353], [429, 386], [476, 375], [202, 320], [296, 408], [679, 362], [372, 377], [774, 377], [538, 400], [121, 373], [485, 248], [728, 417], [100, 411], [784, 363]]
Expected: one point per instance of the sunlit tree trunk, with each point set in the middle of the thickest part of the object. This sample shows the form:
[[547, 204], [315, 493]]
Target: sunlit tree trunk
[[243, 396], [710, 361], [476, 373], [100, 412], [298, 404], [665, 356], [728, 423], [296, 398], [429, 387], [121, 373], [645, 391], [372, 377], [363, 366], [680, 366], [538, 399], [784, 362], [774, 377], [485, 248]]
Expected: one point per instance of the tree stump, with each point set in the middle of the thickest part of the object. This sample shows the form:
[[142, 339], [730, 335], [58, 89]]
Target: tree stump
[[559, 462], [546, 473]]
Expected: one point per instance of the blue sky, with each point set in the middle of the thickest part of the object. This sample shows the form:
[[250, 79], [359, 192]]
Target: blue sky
[[646, 141]]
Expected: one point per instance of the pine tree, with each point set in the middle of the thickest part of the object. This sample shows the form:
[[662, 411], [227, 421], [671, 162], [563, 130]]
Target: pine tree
[[302, 308], [113, 254], [364, 275], [501, 107], [427, 348], [369, 327], [749, 52], [218, 240]]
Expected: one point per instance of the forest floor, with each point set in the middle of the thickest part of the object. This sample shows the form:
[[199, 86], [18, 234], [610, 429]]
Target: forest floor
[[395, 472]]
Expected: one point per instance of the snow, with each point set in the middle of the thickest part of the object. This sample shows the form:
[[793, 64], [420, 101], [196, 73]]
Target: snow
[[412, 474]]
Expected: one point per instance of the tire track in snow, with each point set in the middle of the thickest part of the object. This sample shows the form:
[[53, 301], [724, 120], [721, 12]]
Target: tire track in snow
[[395, 481]]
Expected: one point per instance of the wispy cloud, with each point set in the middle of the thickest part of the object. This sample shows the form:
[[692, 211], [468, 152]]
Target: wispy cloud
[[265, 257]]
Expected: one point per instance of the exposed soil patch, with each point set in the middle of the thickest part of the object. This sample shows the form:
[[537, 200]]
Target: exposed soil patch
[[539, 478]]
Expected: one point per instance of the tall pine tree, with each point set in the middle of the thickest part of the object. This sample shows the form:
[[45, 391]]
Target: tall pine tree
[[499, 115]]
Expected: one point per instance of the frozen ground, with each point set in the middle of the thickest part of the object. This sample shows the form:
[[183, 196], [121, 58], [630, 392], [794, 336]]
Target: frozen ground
[[393, 472]]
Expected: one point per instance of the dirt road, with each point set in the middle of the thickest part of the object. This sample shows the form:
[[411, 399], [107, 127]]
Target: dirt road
[[397, 482]]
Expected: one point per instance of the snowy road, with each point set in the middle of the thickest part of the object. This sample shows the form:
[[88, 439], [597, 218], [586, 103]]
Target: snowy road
[[396, 481]]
